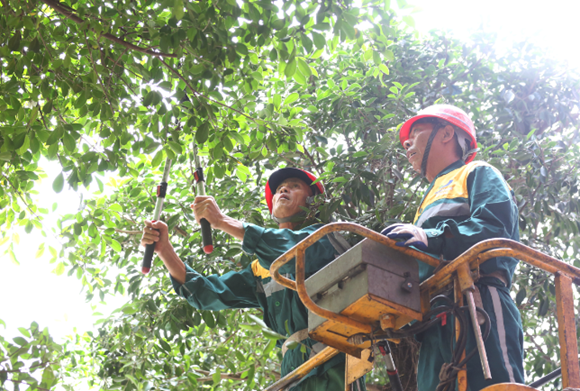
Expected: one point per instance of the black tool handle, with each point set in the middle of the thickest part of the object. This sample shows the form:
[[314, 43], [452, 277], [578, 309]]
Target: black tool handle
[[395, 380], [206, 236], [147, 257]]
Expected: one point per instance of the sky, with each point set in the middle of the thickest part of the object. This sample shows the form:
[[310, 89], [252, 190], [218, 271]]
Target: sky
[[32, 292]]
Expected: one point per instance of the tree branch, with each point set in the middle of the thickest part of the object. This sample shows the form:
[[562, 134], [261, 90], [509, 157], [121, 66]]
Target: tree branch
[[30, 384], [197, 93], [70, 15], [97, 74]]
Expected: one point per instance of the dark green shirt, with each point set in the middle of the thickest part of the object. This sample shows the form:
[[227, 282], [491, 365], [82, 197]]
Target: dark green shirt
[[464, 205], [254, 288]]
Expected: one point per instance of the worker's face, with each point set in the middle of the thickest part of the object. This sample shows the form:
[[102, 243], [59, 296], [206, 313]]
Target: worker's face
[[416, 144], [289, 197]]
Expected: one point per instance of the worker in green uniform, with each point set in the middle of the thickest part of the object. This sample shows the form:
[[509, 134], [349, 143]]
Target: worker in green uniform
[[467, 201], [287, 191]]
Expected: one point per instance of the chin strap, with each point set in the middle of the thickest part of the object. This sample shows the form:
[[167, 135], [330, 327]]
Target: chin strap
[[436, 128], [295, 217]]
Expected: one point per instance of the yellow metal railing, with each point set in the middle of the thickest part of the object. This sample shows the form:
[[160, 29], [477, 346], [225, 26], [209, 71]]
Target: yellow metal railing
[[565, 276]]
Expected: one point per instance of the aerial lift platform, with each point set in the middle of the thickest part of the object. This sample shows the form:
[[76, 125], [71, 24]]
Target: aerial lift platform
[[373, 290]]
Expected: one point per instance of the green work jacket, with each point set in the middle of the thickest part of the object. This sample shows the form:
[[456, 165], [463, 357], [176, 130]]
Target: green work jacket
[[253, 287], [464, 205]]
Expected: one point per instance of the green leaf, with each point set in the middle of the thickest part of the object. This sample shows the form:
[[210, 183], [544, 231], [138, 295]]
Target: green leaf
[[157, 159], [277, 100], [291, 99], [384, 69], [58, 183], [241, 49], [202, 133], [208, 319], [290, 68], [116, 245], [20, 341], [304, 68], [175, 147], [319, 40], [177, 9], [59, 269], [69, 142]]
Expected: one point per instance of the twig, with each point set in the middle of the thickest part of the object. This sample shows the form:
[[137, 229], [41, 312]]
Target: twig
[[308, 155], [30, 384], [70, 15], [22, 198], [97, 74], [113, 67], [197, 93]]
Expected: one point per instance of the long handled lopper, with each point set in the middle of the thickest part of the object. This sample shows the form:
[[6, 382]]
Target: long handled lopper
[[161, 191], [199, 184]]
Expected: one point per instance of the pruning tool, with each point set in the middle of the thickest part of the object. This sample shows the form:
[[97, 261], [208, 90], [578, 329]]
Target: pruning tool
[[200, 186], [161, 191]]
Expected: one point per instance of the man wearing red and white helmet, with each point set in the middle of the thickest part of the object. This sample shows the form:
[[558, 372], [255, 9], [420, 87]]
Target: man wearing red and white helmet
[[467, 202], [287, 192]]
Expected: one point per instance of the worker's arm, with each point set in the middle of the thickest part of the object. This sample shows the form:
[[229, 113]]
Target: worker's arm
[[268, 244], [493, 215], [156, 232], [232, 290], [214, 292]]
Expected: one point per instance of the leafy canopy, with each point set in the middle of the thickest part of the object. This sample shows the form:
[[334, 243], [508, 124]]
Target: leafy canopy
[[110, 90]]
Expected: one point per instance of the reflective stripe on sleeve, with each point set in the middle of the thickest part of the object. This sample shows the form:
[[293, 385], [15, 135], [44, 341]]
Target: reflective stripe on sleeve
[[498, 310]]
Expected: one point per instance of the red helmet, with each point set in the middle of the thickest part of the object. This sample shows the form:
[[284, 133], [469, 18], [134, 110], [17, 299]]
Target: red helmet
[[449, 113], [282, 174]]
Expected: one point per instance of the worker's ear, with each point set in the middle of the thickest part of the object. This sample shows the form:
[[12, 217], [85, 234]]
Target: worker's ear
[[447, 134]]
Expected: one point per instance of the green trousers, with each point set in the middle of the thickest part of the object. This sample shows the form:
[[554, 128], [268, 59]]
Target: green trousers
[[504, 346], [331, 380]]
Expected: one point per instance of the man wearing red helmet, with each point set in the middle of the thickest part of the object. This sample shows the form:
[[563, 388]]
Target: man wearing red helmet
[[467, 202], [288, 191]]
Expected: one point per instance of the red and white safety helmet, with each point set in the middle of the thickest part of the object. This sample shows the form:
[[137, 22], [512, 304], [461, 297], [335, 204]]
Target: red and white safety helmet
[[453, 115], [282, 174]]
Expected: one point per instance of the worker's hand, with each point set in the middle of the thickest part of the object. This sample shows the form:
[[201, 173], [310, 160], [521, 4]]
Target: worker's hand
[[411, 235], [156, 232], [205, 207]]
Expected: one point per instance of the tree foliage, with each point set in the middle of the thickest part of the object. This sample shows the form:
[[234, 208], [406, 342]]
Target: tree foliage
[[110, 90]]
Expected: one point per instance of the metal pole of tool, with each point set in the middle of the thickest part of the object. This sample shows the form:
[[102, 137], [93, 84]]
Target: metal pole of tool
[[200, 187], [392, 372], [161, 192], [478, 336]]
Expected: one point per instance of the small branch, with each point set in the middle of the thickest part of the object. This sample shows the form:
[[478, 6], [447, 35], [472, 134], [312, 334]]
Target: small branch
[[113, 67], [197, 93], [22, 198], [309, 156], [30, 384], [97, 74], [70, 15], [123, 231]]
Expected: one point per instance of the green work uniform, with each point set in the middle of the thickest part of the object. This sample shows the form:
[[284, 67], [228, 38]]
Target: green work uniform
[[464, 205], [254, 288]]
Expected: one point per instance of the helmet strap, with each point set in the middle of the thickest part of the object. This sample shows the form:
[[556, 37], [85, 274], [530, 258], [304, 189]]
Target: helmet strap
[[436, 128]]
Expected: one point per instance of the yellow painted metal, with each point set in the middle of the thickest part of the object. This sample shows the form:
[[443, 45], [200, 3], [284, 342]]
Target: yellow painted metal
[[458, 297], [509, 387], [465, 280], [367, 310], [567, 332], [469, 260], [357, 367]]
